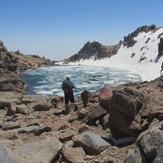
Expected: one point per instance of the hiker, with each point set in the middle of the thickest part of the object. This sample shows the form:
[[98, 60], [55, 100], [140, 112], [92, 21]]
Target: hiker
[[67, 87]]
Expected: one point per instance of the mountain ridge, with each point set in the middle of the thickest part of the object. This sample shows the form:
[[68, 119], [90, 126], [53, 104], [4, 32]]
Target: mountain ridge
[[97, 51]]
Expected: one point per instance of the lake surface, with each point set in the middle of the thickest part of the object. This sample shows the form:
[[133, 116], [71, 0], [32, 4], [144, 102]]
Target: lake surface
[[48, 80]]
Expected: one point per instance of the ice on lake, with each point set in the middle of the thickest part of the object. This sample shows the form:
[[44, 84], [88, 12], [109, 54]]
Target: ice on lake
[[48, 80]]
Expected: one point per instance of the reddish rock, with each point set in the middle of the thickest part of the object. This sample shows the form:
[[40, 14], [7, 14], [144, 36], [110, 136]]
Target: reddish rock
[[65, 137], [155, 113], [85, 97], [105, 97], [83, 128], [95, 113], [82, 113]]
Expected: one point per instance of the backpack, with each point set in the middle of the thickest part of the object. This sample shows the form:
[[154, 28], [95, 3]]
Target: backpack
[[68, 86]]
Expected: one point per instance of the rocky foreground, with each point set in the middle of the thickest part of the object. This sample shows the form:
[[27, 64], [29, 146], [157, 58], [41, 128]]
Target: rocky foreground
[[114, 124]]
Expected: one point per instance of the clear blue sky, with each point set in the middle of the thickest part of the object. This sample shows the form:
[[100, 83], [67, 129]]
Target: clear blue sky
[[58, 29]]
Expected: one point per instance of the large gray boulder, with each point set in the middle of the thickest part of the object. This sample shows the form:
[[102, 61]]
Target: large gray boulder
[[91, 142], [39, 151], [149, 146], [4, 156], [151, 141]]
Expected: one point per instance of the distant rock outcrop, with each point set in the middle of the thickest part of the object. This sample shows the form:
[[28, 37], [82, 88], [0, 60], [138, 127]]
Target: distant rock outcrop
[[94, 50], [12, 64], [160, 47], [129, 40]]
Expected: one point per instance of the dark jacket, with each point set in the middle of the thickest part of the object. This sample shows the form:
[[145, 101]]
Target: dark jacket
[[68, 86]]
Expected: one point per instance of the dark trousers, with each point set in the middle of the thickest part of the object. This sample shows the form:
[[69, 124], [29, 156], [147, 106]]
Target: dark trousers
[[69, 96]]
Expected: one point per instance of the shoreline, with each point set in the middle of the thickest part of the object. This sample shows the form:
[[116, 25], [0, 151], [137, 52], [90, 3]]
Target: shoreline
[[144, 69]]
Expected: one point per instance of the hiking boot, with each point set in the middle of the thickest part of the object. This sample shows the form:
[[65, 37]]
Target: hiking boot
[[67, 109]]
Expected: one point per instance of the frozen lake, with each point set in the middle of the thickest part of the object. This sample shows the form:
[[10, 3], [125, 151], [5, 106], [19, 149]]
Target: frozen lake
[[48, 80]]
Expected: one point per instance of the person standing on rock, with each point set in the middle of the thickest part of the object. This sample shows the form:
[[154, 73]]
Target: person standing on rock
[[67, 86]]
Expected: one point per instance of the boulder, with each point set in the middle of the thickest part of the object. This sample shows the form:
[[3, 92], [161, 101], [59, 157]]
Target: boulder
[[83, 128], [4, 156], [9, 97], [82, 113], [65, 137], [10, 125], [151, 142], [91, 142], [105, 97], [124, 119], [41, 106], [23, 109], [95, 112], [74, 155], [34, 98], [37, 130], [56, 101], [43, 150], [136, 156], [85, 97], [149, 145]]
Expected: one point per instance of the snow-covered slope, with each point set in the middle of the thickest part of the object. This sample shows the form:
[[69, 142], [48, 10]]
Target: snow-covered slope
[[140, 58]]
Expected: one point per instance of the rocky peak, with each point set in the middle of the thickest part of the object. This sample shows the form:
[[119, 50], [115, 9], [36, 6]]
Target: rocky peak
[[94, 50], [129, 40]]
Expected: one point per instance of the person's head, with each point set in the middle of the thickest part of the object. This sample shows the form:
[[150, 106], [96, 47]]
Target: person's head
[[68, 77]]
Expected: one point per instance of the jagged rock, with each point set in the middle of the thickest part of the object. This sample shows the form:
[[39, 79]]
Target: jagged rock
[[129, 40], [126, 103], [85, 97], [105, 97], [74, 155], [44, 150], [92, 143], [95, 113], [95, 50], [4, 156]]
